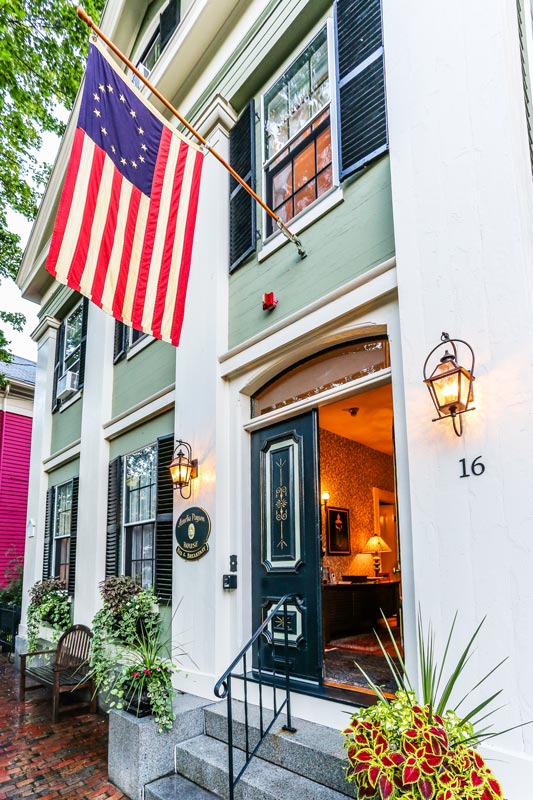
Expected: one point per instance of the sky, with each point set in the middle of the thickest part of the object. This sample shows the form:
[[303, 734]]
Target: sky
[[10, 296]]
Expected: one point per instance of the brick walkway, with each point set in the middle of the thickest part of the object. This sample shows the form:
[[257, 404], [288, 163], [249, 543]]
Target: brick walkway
[[41, 760]]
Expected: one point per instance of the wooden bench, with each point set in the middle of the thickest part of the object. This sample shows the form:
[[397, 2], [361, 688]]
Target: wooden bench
[[66, 671]]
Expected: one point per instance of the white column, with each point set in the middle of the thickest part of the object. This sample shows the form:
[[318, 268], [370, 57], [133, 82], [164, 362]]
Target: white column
[[41, 438], [202, 418], [94, 461], [463, 216]]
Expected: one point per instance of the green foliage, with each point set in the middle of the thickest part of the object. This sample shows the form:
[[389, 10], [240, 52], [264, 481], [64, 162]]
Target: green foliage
[[422, 750], [128, 655], [12, 593], [49, 605], [43, 46]]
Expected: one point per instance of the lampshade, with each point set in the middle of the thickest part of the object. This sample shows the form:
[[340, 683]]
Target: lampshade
[[376, 545]]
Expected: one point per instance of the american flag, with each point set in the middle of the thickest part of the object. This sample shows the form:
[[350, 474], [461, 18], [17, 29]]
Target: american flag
[[124, 228]]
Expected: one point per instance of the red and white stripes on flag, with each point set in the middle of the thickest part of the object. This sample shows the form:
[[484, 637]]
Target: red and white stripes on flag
[[124, 229]]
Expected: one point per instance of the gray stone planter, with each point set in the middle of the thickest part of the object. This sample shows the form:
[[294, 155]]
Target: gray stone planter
[[138, 754]]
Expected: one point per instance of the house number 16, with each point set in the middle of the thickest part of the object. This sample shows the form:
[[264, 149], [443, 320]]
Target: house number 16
[[477, 467]]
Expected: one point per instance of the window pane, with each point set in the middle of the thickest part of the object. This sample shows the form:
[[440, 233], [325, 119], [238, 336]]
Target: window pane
[[304, 197], [73, 338], [325, 181], [136, 542], [297, 96], [147, 574], [285, 212], [282, 185], [148, 541], [304, 167], [323, 149], [63, 510], [141, 468]]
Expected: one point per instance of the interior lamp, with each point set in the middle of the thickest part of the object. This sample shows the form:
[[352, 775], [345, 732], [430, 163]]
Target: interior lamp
[[450, 384], [183, 468], [376, 545], [325, 498]]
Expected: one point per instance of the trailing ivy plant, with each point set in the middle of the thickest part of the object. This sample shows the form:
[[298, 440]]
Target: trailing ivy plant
[[49, 605], [421, 749]]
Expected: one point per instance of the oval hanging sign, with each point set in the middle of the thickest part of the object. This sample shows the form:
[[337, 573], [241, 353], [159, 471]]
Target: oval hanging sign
[[192, 532]]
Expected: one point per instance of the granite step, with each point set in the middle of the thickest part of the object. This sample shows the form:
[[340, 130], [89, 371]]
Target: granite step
[[314, 750], [204, 761], [175, 787]]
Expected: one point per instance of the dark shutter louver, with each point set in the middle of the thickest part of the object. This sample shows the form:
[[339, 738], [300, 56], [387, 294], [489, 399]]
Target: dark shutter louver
[[73, 537], [83, 343], [114, 497], [526, 78], [119, 348], [361, 83], [163, 531], [57, 364], [169, 21], [242, 212], [48, 533]]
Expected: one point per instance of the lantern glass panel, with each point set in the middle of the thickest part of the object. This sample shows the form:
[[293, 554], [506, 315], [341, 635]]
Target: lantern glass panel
[[181, 470], [445, 381]]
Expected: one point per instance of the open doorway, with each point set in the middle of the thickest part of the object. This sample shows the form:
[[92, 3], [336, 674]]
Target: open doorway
[[360, 556]]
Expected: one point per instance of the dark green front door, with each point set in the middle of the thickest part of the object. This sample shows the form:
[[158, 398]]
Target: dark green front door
[[286, 541]]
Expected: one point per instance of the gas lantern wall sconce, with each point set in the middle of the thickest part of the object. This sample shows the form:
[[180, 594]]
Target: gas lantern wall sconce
[[450, 384], [183, 468]]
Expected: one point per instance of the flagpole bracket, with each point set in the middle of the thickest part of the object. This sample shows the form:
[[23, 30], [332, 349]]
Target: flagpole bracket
[[292, 238]]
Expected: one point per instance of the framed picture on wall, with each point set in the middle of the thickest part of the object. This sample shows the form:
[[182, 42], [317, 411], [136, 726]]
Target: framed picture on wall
[[338, 532]]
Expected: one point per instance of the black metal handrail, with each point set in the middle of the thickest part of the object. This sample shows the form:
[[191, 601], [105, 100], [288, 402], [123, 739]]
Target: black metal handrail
[[223, 688]]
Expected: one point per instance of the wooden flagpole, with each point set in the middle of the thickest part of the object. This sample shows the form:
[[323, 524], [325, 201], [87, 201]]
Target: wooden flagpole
[[281, 225]]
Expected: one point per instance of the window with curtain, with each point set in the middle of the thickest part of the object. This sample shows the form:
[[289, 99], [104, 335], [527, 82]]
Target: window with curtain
[[140, 495]]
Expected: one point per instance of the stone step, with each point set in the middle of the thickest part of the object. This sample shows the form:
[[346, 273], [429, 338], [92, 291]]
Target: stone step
[[175, 787], [204, 761], [314, 750]]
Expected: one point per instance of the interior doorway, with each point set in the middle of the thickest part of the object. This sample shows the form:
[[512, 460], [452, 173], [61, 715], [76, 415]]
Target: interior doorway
[[360, 553]]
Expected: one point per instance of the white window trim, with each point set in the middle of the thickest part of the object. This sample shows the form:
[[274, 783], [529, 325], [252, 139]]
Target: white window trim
[[275, 240], [139, 345], [148, 34], [64, 535], [70, 402], [70, 313]]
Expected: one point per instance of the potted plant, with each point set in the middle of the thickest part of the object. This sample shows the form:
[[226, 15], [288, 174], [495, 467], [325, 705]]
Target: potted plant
[[130, 657], [50, 605], [403, 747]]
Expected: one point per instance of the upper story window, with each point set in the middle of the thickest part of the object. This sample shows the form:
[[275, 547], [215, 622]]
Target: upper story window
[[169, 20], [69, 365], [324, 119], [298, 162], [126, 339], [140, 514], [72, 347]]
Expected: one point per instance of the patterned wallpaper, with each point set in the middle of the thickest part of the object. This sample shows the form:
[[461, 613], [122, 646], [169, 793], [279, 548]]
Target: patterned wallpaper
[[348, 471]]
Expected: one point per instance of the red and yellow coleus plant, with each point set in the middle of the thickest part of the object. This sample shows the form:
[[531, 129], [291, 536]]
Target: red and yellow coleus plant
[[399, 749]]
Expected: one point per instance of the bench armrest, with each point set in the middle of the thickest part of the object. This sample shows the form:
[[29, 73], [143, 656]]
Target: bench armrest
[[37, 653]]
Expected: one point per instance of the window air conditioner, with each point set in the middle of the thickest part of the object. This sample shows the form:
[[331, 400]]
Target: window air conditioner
[[145, 72], [67, 384]]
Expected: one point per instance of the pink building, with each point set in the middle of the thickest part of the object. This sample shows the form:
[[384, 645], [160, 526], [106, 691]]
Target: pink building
[[16, 409]]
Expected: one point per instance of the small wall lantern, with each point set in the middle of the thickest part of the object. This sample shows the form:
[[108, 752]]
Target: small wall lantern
[[183, 468], [450, 384]]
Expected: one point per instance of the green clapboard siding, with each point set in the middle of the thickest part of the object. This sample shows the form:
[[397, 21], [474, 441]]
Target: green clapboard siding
[[64, 473], [353, 237], [138, 378], [143, 435], [66, 426]]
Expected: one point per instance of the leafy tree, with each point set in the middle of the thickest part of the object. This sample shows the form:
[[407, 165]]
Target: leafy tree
[[43, 46]]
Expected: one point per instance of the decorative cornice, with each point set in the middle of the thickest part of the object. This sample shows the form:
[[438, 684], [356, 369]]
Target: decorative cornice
[[217, 112], [45, 325]]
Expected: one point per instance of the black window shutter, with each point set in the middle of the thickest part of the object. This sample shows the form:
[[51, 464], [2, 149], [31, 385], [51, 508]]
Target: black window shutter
[[361, 83], [169, 21], [73, 536], [163, 533], [242, 212], [57, 365], [114, 509], [48, 533], [121, 334], [83, 344]]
